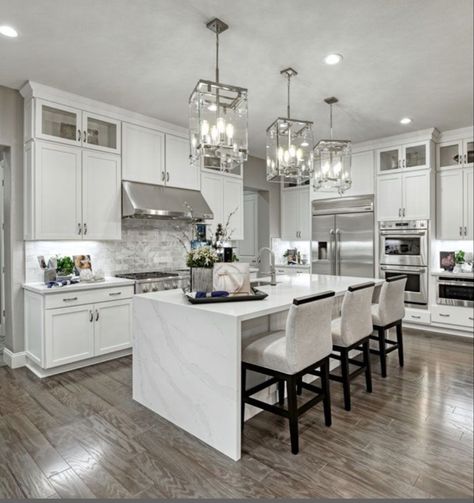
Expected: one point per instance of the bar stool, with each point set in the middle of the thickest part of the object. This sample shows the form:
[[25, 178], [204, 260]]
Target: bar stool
[[287, 355], [389, 313], [352, 332]]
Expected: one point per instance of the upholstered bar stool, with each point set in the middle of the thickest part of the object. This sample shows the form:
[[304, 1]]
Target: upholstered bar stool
[[286, 355], [352, 332], [389, 313]]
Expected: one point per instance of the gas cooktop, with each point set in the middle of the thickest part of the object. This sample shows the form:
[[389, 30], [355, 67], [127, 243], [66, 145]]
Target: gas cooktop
[[137, 276]]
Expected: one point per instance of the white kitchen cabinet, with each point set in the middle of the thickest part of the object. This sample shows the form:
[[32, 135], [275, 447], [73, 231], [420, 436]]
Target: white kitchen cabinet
[[71, 193], [143, 154], [409, 156], [404, 195], [468, 153], [112, 326], [452, 315], [468, 182], [224, 194], [295, 214], [77, 324], [101, 191], [101, 133], [179, 170], [455, 153]]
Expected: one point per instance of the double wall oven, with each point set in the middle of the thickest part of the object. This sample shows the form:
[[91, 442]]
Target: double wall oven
[[404, 248]]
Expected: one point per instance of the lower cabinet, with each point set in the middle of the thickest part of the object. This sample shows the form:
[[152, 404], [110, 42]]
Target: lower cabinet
[[56, 336], [453, 315]]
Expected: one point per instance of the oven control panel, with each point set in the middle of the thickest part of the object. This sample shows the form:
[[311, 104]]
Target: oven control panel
[[407, 224]]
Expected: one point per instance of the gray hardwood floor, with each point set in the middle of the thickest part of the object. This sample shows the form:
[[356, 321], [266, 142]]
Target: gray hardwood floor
[[81, 435]]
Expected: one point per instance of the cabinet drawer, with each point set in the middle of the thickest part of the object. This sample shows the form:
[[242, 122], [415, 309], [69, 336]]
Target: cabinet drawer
[[80, 297], [453, 315], [417, 316]]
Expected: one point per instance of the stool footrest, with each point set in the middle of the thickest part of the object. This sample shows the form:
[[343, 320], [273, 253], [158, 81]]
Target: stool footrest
[[261, 386], [267, 406]]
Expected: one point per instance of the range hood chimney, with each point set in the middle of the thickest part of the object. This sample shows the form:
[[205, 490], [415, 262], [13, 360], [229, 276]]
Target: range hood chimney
[[143, 200]]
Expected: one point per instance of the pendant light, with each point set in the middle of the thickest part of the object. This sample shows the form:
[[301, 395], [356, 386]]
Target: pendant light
[[289, 143], [332, 161], [218, 119]]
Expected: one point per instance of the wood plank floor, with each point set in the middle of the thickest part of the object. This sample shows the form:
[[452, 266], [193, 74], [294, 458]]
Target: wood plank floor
[[81, 435]]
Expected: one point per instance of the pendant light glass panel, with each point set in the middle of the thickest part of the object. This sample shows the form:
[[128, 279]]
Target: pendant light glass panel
[[289, 155], [332, 165], [218, 125]]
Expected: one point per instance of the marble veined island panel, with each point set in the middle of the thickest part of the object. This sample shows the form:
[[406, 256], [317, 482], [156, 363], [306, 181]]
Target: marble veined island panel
[[187, 358]]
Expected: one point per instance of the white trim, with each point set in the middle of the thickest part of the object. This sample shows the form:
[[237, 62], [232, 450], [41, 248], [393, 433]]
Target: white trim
[[456, 134], [40, 372], [431, 134], [14, 360]]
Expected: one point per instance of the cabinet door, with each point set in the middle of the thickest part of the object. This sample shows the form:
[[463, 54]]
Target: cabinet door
[[416, 155], [468, 175], [468, 153], [180, 172], [211, 189], [362, 167], [389, 197], [57, 122], [304, 215], [289, 214], [449, 204], [101, 189], [57, 191], [100, 133], [69, 335], [233, 207], [112, 326], [416, 195], [389, 159], [449, 154], [143, 155]]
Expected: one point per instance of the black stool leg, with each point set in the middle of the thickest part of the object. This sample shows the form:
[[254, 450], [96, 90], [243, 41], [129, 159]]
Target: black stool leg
[[293, 413], [243, 384], [400, 344], [327, 393], [368, 373], [281, 392], [299, 386], [345, 378], [383, 354]]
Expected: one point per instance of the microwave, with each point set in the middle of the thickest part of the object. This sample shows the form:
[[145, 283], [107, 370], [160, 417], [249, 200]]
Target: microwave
[[455, 291]]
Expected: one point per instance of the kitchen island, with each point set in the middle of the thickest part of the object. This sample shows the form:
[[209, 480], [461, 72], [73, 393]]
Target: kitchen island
[[187, 358]]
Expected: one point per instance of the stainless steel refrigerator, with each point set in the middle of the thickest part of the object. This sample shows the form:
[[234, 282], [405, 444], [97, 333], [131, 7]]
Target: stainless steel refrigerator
[[342, 241]]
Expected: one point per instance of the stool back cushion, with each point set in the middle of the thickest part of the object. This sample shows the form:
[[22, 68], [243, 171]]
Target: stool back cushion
[[391, 305], [356, 315], [308, 333]]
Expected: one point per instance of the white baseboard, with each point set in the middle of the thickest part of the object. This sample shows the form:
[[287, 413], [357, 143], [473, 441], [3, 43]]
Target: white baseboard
[[14, 360]]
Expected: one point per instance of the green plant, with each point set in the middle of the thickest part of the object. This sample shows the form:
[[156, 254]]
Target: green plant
[[65, 265], [459, 257], [201, 257]]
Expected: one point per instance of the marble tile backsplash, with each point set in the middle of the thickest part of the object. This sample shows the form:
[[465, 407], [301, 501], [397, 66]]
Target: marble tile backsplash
[[145, 245]]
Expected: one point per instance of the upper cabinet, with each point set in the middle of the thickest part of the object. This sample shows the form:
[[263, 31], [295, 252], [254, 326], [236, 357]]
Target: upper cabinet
[[150, 156], [456, 154], [64, 124], [412, 155], [295, 214]]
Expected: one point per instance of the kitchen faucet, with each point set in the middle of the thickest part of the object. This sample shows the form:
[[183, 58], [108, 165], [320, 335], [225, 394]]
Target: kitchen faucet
[[272, 264]]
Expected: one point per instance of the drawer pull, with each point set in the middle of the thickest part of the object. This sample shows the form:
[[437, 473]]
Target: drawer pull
[[70, 299], [471, 318], [444, 315], [414, 316], [114, 294]]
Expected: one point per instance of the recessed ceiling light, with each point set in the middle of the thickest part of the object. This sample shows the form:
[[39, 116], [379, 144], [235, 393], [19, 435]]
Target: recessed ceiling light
[[405, 120], [8, 31], [333, 59]]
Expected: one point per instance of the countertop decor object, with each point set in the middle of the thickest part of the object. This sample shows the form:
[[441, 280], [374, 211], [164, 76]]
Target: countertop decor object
[[107, 282], [231, 277], [254, 294]]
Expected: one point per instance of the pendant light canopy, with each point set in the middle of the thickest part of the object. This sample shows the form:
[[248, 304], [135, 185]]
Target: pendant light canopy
[[289, 144], [332, 161], [218, 119]]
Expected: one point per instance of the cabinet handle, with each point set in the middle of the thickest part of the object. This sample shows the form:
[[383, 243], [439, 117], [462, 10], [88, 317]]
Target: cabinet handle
[[79, 228], [167, 176], [415, 316], [97, 315], [465, 158], [444, 315], [465, 230], [470, 318], [78, 135], [85, 229], [91, 316], [70, 299], [84, 136], [460, 230], [162, 176], [114, 294], [403, 211], [399, 212], [404, 163]]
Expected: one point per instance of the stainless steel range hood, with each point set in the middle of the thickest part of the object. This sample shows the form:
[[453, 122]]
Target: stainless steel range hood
[[142, 200]]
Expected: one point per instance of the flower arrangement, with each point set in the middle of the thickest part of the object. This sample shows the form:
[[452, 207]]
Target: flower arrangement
[[459, 257], [201, 257]]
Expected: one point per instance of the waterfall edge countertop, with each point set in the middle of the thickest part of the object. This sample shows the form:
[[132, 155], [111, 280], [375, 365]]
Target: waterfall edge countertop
[[187, 358], [280, 297]]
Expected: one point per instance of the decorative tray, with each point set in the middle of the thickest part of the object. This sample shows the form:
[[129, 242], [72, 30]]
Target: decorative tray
[[256, 295]]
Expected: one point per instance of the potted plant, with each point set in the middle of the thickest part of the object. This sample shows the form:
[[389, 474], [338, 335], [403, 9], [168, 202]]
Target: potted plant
[[458, 260], [201, 262], [64, 266]]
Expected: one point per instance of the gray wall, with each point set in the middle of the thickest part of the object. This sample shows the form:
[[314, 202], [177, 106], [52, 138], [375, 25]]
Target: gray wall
[[11, 136], [255, 178]]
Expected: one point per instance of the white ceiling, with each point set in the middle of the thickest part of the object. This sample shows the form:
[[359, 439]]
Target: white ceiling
[[401, 58]]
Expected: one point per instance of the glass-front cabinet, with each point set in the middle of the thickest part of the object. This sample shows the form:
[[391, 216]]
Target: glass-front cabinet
[[389, 159], [64, 124], [411, 156], [468, 151], [416, 155], [450, 154]]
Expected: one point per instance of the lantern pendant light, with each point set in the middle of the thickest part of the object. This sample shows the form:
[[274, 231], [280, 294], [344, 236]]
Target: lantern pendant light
[[332, 161], [218, 119], [289, 143]]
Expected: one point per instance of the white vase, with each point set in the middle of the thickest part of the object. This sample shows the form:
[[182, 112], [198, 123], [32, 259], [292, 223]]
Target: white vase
[[457, 268]]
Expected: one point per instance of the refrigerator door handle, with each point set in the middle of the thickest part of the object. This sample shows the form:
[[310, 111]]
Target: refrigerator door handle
[[338, 252], [332, 251]]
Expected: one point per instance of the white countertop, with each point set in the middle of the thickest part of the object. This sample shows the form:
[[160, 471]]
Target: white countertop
[[280, 297], [294, 266], [42, 289], [440, 272]]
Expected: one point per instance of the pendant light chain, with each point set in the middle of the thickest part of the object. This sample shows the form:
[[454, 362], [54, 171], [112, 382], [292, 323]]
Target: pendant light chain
[[330, 119], [217, 56], [288, 106]]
